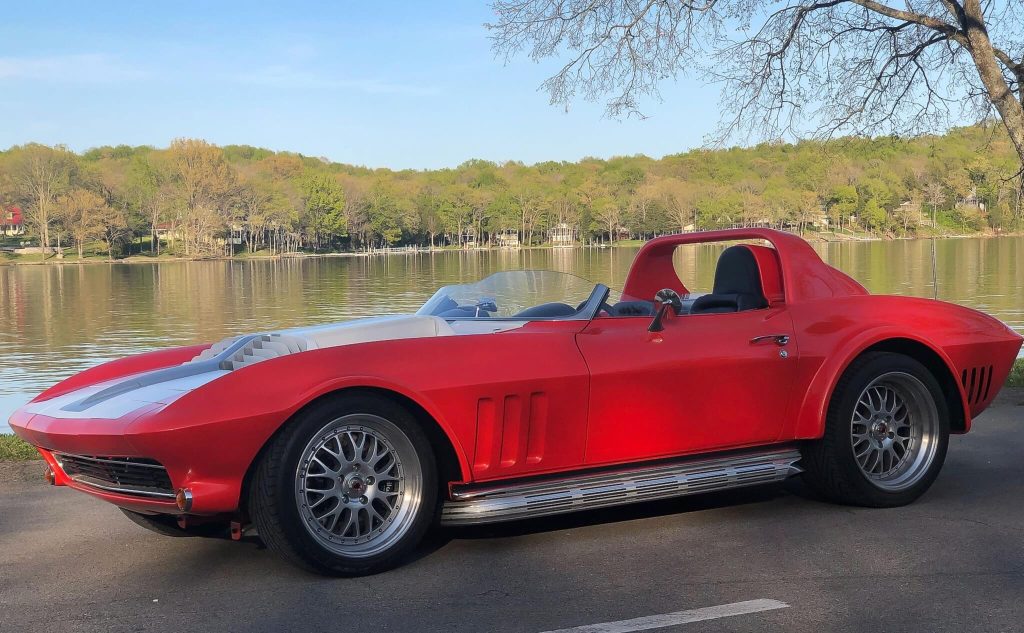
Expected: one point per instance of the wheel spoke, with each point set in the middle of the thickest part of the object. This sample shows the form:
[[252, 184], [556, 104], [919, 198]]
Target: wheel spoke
[[349, 526], [375, 515], [879, 399], [899, 450], [327, 469], [383, 464], [358, 439], [317, 489], [336, 454], [317, 503], [876, 457]]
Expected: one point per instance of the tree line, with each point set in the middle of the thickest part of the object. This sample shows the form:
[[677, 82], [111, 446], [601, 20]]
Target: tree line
[[196, 199]]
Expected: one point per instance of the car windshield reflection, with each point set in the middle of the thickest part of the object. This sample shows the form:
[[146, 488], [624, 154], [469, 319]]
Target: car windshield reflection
[[518, 294]]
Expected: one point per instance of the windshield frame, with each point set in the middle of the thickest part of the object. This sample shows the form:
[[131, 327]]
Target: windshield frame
[[598, 295]]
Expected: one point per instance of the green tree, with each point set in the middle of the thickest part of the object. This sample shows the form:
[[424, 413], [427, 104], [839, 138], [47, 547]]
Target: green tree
[[873, 215], [202, 187], [324, 202]]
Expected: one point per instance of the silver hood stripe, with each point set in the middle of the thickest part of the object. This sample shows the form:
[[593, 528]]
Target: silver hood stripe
[[117, 398]]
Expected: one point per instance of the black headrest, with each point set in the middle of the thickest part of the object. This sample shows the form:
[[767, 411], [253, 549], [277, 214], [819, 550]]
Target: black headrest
[[737, 273]]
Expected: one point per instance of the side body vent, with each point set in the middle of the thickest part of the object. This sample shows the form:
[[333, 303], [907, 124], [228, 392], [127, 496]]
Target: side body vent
[[977, 382], [511, 432]]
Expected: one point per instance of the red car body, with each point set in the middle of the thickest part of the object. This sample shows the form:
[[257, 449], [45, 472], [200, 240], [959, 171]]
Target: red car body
[[554, 396]]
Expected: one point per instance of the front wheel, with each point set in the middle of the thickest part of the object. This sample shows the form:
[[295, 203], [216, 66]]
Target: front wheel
[[886, 434], [348, 488]]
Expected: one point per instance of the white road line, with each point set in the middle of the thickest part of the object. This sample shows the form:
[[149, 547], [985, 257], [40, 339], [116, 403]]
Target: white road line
[[678, 617]]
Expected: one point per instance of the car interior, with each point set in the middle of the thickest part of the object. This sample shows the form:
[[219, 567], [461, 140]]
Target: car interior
[[737, 287]]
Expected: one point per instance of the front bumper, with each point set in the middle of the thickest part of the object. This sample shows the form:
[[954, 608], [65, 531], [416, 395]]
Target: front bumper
[[201, 459]]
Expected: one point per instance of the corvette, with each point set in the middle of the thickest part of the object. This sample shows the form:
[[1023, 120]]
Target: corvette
[[530, 394]]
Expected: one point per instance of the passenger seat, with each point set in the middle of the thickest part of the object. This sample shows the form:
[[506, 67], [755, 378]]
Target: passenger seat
[[737, 284]]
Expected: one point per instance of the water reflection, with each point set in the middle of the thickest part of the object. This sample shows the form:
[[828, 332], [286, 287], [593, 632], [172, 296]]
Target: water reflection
[[57, 320]]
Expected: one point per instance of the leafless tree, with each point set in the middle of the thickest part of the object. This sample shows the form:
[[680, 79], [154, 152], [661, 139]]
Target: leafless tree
[[786, 68], [935, 194], [42, 174], [82, 213]]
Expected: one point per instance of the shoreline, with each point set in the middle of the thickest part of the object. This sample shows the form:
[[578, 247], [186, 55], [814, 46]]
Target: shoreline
[[143, 259]]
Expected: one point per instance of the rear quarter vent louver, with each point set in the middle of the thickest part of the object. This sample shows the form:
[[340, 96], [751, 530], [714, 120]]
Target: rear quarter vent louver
[[977, 382]]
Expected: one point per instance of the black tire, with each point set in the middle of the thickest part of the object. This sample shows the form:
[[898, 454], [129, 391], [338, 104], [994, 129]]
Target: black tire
[[167, 525], [830, 465], [275, 496]]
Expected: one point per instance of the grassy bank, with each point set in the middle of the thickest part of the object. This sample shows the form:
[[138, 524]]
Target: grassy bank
[[1016, 378], [12, 448]]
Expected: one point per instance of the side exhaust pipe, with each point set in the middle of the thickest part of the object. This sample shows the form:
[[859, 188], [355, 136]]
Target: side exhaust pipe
[[478, 504]]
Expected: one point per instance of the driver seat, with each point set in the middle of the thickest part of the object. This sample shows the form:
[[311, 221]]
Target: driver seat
[[737, 284]]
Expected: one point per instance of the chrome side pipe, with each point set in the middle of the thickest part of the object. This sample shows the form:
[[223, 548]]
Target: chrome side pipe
[[482, 503]]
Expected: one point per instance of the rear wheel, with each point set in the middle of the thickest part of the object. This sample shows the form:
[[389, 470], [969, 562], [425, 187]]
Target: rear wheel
[[348, 488], [886, 434]]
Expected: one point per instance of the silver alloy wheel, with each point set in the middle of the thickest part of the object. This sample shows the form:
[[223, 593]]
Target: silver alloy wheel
[[359, 485], [894, 431]]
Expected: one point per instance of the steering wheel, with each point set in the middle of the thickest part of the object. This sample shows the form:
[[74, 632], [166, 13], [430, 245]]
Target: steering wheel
[[486, 305], [604, 307]]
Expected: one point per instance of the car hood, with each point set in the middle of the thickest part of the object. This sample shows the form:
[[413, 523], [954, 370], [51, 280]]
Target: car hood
[[119, 397]]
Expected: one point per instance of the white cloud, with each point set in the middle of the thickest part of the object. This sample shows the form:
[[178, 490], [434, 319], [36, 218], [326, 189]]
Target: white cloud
[[282, 76], [78, 68]]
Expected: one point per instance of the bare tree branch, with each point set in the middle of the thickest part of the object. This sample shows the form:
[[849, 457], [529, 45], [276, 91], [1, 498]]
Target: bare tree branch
[[791, 69]]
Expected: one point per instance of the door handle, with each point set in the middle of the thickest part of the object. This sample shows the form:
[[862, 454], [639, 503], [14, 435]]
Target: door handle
[[779, 339]]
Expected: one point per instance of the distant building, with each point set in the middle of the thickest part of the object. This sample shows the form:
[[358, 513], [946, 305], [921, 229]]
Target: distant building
[[972, 200], [507, 239], [11, 221], [562, 235], [167, 231]]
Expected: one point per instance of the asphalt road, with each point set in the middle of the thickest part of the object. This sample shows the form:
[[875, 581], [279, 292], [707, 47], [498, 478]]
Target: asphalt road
[[953, 561]]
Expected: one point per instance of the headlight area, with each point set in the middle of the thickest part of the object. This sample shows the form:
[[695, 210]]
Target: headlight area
[[130, 476], [135, 483]]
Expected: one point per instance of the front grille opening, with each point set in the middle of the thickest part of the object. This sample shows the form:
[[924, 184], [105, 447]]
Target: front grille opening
[[977, 382], [128, 475]]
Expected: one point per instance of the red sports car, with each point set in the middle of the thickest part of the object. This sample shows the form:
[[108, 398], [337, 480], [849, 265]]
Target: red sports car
[[531, 394]]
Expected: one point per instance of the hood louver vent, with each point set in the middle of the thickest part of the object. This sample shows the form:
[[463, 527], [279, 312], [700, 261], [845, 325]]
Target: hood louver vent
[[236, 352], [214, 349], [261, 348]]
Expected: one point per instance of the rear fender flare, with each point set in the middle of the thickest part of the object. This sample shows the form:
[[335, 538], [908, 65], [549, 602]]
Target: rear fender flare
[[810, 419]]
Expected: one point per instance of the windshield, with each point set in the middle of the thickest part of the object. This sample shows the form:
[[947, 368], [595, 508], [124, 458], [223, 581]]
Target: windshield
[[519, 294]]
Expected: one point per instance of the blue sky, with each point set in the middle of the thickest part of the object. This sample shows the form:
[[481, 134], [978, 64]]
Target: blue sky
[[402, 84]]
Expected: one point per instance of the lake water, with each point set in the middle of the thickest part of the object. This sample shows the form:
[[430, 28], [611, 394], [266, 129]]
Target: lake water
[[58, 320]]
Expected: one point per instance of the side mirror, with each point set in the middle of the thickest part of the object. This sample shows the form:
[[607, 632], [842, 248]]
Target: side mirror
[[666, 298]]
